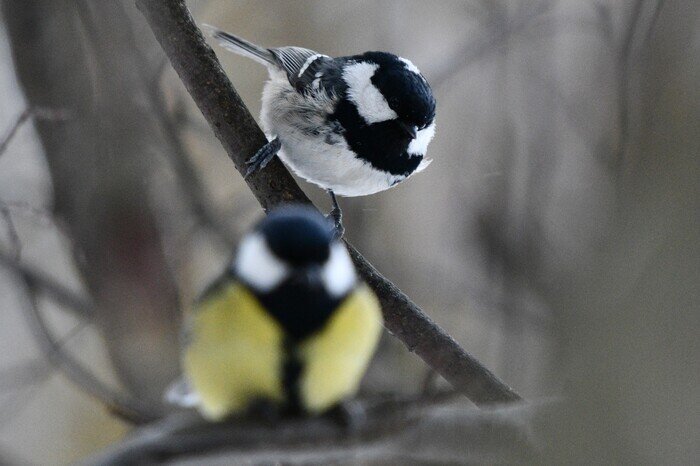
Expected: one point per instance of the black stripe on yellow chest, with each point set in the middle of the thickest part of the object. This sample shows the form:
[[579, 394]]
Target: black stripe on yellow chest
[[240, 353], [301, 312]]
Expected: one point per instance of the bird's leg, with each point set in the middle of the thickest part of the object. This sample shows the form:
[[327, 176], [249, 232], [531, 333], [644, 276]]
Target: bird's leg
[[263, 156], [336, 214]]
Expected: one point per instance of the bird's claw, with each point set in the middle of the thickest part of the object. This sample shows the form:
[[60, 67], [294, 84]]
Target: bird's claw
[[262, 157], [336, 215]]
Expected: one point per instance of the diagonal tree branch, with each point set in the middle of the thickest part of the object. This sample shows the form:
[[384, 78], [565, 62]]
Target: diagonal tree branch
[[232, 123]]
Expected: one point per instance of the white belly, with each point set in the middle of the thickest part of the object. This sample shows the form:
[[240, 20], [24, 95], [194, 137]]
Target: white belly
[[334, 167]]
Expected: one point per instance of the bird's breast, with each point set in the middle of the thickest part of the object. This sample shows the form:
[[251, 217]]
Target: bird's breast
[[325, 142]]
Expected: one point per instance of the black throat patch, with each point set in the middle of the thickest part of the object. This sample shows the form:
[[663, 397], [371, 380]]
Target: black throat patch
[[382, 144], [300, 311]]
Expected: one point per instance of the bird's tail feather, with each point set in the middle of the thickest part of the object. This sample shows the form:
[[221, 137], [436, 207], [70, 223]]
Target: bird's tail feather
[[240, 46]]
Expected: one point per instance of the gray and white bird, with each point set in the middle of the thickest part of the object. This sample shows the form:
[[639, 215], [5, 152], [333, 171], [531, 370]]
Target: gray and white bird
[[353, 125]]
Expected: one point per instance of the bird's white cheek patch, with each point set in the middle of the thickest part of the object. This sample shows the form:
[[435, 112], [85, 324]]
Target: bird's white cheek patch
[[338, 274], [370, 103], [257, 265], [419, 146], [410, 66]]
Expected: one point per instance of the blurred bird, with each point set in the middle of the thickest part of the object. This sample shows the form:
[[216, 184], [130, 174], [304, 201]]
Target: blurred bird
[[288, 324], [352, 125]]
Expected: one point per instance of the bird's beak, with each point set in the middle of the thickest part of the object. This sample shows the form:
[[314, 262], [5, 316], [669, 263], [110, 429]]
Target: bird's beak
[[410, 130]]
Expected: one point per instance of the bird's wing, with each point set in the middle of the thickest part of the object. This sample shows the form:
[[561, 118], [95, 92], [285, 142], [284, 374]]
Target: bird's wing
[[305, 69]]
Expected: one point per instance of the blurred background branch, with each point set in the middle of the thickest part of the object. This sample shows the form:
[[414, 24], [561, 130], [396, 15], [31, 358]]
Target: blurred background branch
[[418, 431], [116, 240]]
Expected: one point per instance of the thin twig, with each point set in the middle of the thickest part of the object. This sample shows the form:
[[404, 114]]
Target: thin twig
[[184, 168], [15, 243], [43, 214], [77, 304], [52, 348], [175, 151], [624, 63], [123, 406], [42, 113], [27, 373], [23, 117], [201, 73], [22, 380]]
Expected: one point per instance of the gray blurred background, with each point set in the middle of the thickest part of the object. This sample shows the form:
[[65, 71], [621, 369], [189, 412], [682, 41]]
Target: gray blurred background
[[555, 236]]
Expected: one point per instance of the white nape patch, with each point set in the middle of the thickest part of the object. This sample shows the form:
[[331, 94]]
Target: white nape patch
[[410, 66], [370, 103], [419, 146], [257, 265], [338, 273], [308, 62]]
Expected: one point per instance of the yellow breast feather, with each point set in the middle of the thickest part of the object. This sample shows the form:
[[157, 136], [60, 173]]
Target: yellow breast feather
[[335, 358], [236, 354]]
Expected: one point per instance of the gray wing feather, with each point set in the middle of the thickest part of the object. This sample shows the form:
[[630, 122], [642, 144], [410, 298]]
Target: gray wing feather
[[293, 59], [302, 65]]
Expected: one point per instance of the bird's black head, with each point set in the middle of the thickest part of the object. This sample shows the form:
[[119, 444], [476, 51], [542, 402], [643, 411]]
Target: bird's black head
[[404, 88], [296, 268], [298, 235]]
